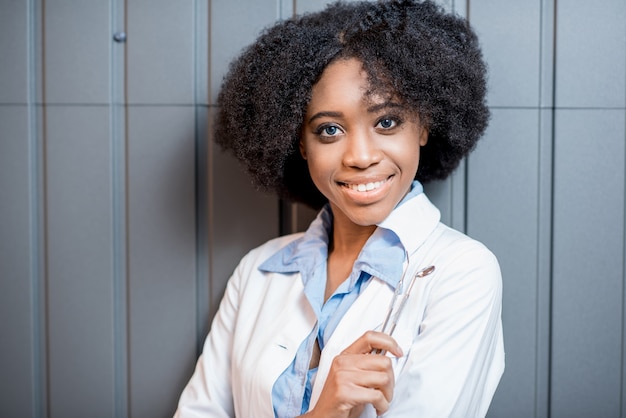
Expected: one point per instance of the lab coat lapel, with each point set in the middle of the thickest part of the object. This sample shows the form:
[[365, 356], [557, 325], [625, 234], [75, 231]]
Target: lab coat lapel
[[295, 322], [367, 313]]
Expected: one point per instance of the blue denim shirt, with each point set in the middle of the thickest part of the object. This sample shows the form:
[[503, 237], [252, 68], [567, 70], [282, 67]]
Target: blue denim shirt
[[382, 257]]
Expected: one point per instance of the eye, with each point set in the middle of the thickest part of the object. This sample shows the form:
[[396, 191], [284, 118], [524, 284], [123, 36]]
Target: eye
[[387, 123], [330, 130]]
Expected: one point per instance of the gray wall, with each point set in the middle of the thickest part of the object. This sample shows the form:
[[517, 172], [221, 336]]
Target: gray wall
[[120, 222]]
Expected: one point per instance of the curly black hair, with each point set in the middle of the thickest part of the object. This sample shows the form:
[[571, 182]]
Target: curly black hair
[[412, 50]]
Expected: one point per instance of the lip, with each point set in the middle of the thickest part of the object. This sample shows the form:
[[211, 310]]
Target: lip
[[378, 187]]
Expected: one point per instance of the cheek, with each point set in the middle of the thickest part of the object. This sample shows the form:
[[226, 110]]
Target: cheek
[[407, 152], [316, 165]]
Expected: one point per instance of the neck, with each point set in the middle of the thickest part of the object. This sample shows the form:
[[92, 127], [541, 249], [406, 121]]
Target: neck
[[345, 244], [349, 241], [348, 238]]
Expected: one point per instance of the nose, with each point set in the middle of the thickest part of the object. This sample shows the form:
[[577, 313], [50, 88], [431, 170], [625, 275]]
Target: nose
[[361, 151]]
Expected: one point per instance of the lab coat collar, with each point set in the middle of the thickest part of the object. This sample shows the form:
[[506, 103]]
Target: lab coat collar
[[413, 221], [406, 227]]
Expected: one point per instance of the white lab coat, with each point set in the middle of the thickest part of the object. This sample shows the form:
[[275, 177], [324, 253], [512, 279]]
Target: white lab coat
[[450, 330]]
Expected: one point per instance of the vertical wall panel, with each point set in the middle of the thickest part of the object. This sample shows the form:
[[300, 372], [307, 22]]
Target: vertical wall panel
[[203, 205], [508, 190], [587, 339], [234, 25], [305, 6], [17, 344], [160, 51], [503, 213], [440, 193], [14, 51], [16, 308], [77, 41], [79, 251], [242, 218], [509, 33], [162, 275], [449, 197], [201, 42], [591, 54]]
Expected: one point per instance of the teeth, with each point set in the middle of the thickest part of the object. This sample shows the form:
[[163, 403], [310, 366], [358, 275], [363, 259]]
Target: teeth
[[365, 187]]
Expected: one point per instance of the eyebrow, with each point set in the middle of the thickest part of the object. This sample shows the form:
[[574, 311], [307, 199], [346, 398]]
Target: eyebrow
[[372, 109], [384, 105], [325, 115]]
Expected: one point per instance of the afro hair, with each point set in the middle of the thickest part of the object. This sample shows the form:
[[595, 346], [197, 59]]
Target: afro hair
[[413, 50]]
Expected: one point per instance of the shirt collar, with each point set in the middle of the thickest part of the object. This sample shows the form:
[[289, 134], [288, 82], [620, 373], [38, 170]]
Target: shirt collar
[[382, 256], [413, 220]]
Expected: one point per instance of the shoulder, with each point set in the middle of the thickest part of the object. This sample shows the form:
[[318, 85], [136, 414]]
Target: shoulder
[[458, 257], [458, 243], [255, 257]]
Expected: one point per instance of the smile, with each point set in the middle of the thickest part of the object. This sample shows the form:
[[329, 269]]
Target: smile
[[365, 187]]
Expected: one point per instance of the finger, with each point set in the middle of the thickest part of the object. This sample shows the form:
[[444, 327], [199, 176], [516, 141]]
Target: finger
[[362, 363], [361, 396], [381, 380], [374, 340], [356, 411]]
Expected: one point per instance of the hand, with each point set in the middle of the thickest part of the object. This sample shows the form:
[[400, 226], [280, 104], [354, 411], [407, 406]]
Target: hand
[[357, 378]]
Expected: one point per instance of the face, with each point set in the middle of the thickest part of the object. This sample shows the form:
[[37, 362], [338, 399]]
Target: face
[[362, 150]]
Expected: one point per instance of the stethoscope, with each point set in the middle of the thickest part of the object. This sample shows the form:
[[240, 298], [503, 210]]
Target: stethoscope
[[398, 300]]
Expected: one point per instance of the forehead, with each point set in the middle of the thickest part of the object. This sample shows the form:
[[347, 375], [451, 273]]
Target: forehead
[[341, 72], [344, 81]]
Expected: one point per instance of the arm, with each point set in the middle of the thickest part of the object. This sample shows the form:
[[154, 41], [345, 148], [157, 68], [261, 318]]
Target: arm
[[209, 392], [455, 363]]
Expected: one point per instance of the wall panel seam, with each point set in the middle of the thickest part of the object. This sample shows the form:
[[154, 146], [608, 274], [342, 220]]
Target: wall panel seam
[[210, 175], [126, 197], [551, 250], [546, 86], [201, 206], [38, 331], [623, 370], [44, 227], [118, 201]]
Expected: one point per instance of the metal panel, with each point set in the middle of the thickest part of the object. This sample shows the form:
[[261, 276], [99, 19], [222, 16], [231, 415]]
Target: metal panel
[[160, 51], [591, 54], [14, 51], [77, 42], [79, 271], [548, 46], [588, 290], [241, 219], [509, 32], [203, 210], [234, 25], [306, 6], [440, 193], [201, 56], [449, 197], [16, 298], [504, 213], [162, 264]]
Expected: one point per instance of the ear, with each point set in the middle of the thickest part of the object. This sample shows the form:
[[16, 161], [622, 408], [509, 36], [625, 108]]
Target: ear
[[423, 136], [302, 149]]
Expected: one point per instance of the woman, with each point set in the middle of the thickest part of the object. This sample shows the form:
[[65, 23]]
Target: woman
[[349, 110]]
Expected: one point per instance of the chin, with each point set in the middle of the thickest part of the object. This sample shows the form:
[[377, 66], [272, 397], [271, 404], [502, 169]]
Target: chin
[[369, 219]]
